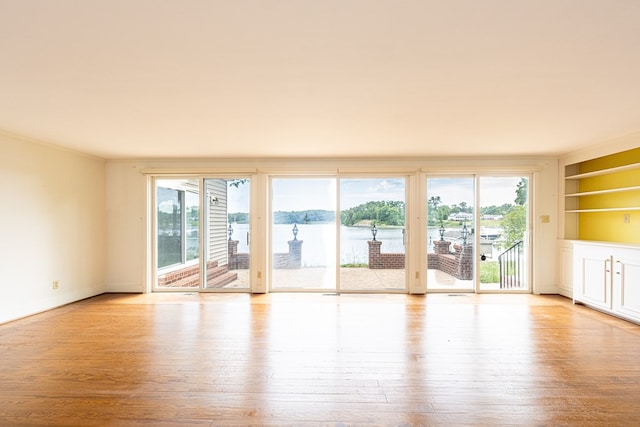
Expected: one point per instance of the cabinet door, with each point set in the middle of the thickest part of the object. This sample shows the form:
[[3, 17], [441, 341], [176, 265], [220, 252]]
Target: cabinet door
[[626, 269], [566, 271], [593, 281]]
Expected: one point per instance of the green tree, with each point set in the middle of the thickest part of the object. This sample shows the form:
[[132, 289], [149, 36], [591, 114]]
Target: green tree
[[443, 212], [433, 211], [514, 225], [521, 192], [193, 216], [237, 182], [380, 212], [388, 215]]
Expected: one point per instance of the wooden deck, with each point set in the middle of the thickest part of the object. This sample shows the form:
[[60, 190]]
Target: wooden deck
[[313, 359]]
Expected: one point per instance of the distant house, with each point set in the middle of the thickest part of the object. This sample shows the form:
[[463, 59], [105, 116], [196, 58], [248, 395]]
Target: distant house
[[461, 216]]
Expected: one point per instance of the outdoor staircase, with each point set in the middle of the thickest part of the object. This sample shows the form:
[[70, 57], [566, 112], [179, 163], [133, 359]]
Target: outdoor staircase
[[218, 277], [189, 277]]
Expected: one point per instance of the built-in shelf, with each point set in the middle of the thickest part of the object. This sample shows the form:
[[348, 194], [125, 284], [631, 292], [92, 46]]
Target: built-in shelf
[[613, 182], [609, 190], [604, 171], [631, 208]]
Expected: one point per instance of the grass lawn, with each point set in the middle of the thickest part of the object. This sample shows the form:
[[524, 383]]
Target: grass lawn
[[489, 272]]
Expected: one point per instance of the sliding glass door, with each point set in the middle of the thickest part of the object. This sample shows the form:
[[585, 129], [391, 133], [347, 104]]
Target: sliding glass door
[[306, 253], [372, 234], [341, 234], [503, 233], [450, 233], [201, 234], [226, 234], [303, 234], [483, 248], [177, 220]]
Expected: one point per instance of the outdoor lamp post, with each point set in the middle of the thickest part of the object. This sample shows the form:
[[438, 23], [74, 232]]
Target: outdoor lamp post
[[295, 231], [230, 230], [465, 234], [374, 231], [441, 230]]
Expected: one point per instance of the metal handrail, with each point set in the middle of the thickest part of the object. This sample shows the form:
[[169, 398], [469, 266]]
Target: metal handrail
[[512, 266]]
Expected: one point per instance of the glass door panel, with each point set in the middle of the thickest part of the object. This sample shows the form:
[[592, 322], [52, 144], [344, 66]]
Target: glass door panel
[[450, 229], [303, 234], [226, 234], [503, 233], [372, 234], [177, 223]]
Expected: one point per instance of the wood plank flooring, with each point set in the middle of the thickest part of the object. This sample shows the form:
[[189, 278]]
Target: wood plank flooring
[[312, 359]]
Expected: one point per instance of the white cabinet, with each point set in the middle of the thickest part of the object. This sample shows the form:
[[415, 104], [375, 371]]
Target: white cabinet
[[607, 277], [565, 269], [592, 275], [626, 282]]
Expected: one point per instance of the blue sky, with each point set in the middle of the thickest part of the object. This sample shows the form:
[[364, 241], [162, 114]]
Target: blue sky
[[320, 193], [292, 194]]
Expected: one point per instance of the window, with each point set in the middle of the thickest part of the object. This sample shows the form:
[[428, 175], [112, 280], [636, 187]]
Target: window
[[178, 222]]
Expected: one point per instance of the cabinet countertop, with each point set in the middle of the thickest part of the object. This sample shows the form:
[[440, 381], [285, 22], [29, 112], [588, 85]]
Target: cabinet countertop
[[608, 244]]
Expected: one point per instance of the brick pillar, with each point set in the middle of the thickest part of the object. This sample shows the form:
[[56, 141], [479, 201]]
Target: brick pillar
[[295, 254], [441, 247], [457, 250], [374, 254], [465, 262], [232, 247], [232, 254]]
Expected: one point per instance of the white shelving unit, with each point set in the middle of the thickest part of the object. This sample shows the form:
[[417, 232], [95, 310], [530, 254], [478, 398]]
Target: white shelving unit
[[604, 171], [608, 204], [630, 208], [573, 194], [606, 276], [611, 190]]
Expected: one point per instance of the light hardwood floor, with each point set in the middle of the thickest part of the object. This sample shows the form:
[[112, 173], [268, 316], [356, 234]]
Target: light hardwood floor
[[312, 359]]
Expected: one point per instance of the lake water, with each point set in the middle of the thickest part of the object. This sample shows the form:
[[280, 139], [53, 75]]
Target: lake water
[[319, 242]]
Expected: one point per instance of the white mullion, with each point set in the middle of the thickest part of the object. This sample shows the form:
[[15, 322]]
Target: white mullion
[[338, 245]]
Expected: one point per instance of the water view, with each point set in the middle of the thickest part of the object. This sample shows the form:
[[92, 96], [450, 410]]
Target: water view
[[319, 241]]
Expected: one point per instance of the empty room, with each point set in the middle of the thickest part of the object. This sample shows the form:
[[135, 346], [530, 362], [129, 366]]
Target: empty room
[[307, 212]]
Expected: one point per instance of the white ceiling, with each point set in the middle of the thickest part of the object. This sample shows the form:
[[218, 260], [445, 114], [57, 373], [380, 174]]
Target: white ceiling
[[320, 78]]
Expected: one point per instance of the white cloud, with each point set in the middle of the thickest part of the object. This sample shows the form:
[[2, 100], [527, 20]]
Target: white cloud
[[493, 190], [291, 194]]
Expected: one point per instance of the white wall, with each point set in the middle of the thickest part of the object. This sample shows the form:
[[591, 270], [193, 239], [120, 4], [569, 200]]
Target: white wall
[[126, 203], [52, 219], [125, 227], [545, 220]]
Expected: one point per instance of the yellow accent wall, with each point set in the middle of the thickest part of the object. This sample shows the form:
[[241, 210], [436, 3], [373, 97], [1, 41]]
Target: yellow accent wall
[[611, 161], [610, 226]]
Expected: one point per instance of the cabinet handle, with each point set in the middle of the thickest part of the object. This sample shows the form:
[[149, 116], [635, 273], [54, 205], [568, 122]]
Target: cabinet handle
[[606, 265], [618, 262]]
